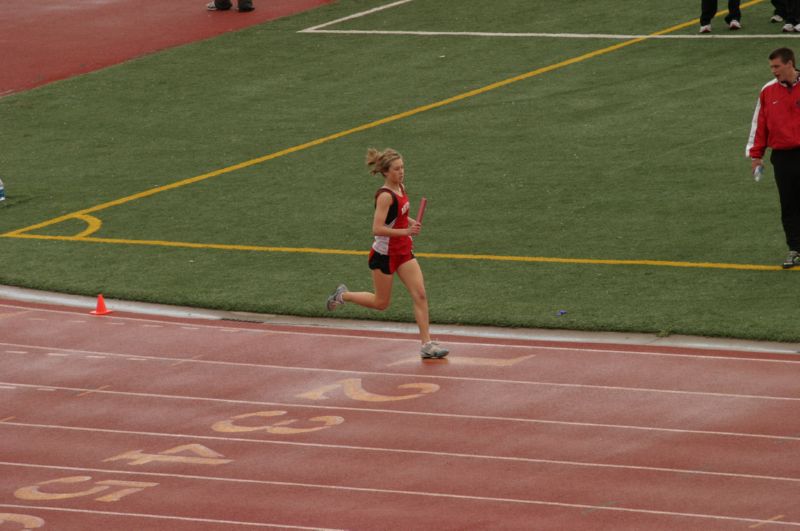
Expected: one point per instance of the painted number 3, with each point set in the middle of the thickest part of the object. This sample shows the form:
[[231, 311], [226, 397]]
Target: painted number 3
[[276, 428]]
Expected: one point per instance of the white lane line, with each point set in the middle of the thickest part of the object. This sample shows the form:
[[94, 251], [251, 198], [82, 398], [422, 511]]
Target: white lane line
[[541, 349], [368, 490], [424, 413], [48, 389], [7, 387], [96, 357], [158, 517], [16, 351], [527, 35], [356, 15], [58, 354], [448, 455], [152, 326], [450, 378]]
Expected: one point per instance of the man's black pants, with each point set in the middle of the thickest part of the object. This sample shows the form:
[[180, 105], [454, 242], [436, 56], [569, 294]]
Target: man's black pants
[[786, 164], [708, 8]]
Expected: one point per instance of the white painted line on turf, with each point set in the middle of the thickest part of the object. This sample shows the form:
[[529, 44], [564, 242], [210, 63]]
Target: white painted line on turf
[[604, 36], [368, 490], [446, 378], [419, 413], [158, 517], [408, 451], [356, 15]]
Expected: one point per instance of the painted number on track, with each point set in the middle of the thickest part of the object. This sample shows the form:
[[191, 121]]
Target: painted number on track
[[202, 456], [26, 521], [276, 428], [33, 493], [352, 389]]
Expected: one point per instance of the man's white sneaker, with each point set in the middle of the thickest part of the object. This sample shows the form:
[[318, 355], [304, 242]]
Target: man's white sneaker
[[788, 28], [734, 25], [705, 29], [776, 18], [797, 28]]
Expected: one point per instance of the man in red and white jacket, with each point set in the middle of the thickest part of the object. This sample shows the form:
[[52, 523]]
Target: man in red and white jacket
[[776, 124]]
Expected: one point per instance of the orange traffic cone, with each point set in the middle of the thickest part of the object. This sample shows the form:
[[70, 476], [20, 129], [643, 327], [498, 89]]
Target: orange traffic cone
[[101, 306]]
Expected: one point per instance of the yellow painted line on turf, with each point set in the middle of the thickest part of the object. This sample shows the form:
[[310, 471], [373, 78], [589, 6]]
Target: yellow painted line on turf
[[441, 256], [371, 125], [93, 223]]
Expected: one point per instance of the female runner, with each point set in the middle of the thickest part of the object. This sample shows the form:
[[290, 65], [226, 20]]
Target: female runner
[[392, 250]]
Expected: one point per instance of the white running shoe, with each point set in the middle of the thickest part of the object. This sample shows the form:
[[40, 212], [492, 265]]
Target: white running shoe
[[432, 350], [776, 18], [335, 299], [788, 28], [797, 28], [734, 25], [705, 29]]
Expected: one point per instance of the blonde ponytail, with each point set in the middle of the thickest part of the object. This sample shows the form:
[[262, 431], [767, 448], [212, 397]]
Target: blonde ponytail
[[379, 161]]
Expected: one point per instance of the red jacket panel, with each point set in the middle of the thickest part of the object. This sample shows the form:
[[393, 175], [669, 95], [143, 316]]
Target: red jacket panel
[[776, 121]]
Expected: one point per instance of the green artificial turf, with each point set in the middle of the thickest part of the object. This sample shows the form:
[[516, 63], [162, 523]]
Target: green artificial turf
[[634, 154]]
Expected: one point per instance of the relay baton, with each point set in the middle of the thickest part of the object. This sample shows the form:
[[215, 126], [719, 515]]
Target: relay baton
[[421, 212]]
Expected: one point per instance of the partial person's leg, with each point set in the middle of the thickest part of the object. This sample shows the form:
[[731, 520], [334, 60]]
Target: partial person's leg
[[245, 5], [377, 301], [708, 8], [792, 12], [411, 275], [786, 165], [780, 10], [219, 5], [734, 12]]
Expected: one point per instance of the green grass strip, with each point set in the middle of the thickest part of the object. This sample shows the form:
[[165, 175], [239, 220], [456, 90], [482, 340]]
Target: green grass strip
[[472, 93]]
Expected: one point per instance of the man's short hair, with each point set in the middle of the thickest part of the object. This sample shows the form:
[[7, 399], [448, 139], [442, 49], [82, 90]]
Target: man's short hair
[[786, 55]]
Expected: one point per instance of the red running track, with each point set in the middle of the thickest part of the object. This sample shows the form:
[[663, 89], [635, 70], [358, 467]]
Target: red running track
[[128, 422], [45, 41]]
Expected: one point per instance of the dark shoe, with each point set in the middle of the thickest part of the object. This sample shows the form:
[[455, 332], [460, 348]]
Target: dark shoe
[[244, 7], [218, 6], [792, 260]]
